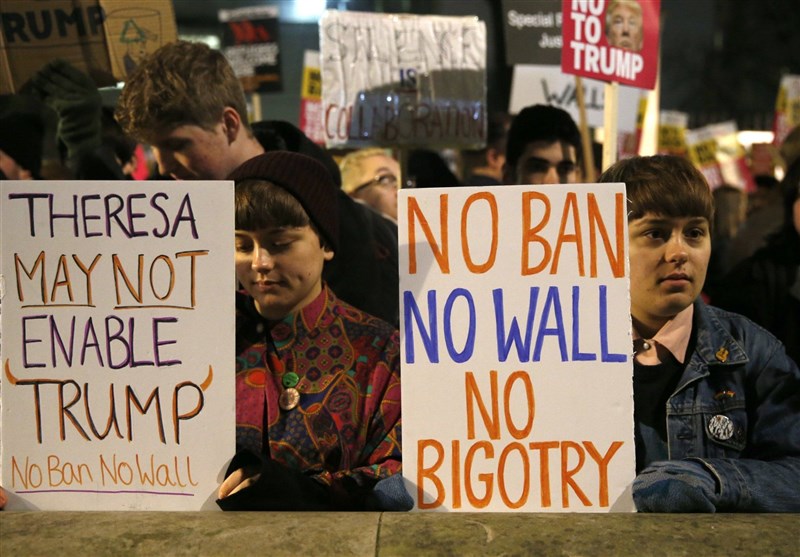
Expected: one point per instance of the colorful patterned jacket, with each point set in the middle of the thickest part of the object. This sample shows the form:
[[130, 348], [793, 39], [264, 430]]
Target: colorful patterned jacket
[[343, 436]]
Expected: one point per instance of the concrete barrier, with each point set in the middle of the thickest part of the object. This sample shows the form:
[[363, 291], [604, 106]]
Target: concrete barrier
[[390, 534]]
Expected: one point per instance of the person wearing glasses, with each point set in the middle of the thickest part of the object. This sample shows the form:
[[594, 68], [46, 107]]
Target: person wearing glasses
[[372, 176], [543, 147]]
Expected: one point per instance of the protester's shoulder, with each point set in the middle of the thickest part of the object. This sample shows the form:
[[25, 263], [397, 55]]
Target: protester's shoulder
[[362, 322], [732, 322], [756, 342], [779, 252], [363, 219], [363, 211]]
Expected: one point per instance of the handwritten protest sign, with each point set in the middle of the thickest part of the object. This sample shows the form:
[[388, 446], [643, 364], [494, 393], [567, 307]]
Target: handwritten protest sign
[[403, 80], [516, 336], [117, 344], [532, 84], [612, 40], [106, 39]]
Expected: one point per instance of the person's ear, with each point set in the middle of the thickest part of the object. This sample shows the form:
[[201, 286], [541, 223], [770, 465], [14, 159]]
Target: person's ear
[[495, 158], [232, 123], [327, 253]]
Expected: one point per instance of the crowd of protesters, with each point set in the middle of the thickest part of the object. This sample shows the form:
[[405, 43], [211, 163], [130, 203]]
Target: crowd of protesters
[[316, 242]]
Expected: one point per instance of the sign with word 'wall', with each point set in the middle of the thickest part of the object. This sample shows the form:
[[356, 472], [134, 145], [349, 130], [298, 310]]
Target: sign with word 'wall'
[[516, 337]]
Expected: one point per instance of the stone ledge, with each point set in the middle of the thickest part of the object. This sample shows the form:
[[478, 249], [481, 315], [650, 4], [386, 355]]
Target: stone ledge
[[390, 534]]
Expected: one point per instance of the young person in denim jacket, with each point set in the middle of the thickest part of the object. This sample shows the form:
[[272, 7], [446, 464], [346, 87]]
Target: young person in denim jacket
[[716, 398]]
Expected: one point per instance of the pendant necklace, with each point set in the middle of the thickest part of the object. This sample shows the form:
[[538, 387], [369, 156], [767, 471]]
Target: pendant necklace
[[290, 396]]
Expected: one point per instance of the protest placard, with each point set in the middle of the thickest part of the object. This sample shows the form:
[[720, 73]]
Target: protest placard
[[402, 80], [612, 40], [311, 98], [532, 32], [251, 43], [672, 129], [106, 39], [533, 84], [517, 354], [715, 150], [117, 344]]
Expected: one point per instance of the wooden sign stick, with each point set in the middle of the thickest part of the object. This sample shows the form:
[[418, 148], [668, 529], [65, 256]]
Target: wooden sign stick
[[586, 141], [610, 116]]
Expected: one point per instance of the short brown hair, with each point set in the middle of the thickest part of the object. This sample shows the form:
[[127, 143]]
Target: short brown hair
[[181, 83], [260, 203], [663, 185]]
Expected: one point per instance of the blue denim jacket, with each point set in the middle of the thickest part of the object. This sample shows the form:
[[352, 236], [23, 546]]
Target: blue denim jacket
[[741, 372]]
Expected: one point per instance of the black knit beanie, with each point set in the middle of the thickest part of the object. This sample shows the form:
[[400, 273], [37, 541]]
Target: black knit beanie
[[22, 131], [306, 179]]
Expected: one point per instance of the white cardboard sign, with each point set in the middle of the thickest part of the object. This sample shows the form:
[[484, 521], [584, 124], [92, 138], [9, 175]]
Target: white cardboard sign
[[516, 337], [117, 344], [403, 80], [534, 84]]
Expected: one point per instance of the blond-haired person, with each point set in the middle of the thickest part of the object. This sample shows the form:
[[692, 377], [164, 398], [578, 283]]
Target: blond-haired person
[[372, 176]]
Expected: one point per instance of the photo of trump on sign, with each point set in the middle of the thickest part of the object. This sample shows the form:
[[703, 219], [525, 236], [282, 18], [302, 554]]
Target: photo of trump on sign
[[611, 40], [624, 24]]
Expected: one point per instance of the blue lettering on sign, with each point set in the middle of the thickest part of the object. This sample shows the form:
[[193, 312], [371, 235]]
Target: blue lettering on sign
[[469, 345], [605, 355], [430, 334], [512, 337], [430, 337], [503, 342], [527, 344], [577, 355], [551, 304]]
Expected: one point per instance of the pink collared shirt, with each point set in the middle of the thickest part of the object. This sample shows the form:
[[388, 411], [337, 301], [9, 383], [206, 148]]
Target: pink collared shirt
[[673, 336]]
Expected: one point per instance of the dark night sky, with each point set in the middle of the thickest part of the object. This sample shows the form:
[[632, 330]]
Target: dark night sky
[[725, 58]]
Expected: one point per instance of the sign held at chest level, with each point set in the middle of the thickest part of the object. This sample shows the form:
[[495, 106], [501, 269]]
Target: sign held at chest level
[[514, 302], [581, 225]]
